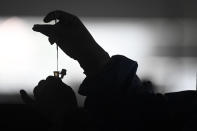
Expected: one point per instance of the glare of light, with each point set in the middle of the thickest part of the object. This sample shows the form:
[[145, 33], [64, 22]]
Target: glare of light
[[27, 57]]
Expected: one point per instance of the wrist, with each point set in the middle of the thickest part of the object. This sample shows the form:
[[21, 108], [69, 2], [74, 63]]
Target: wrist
[[93, 61]]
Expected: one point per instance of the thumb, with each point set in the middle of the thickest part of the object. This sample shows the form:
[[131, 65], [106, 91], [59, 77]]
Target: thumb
[[26, 98], [48, 30]]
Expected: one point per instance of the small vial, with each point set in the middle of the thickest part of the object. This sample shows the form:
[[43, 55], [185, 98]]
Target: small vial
[[56, 73]]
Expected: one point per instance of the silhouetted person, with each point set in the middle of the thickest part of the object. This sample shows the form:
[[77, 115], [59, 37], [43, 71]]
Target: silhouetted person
[[115, 97], [73, 38]]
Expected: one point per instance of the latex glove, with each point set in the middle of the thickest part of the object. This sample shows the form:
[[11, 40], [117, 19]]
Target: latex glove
[[75, 40], [52, 98]]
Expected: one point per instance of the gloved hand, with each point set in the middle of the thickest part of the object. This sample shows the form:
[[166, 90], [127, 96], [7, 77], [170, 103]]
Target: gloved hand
[[52, 98], [75, 40]]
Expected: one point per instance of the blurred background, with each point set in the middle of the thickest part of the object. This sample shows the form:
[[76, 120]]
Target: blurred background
[[159, 34]]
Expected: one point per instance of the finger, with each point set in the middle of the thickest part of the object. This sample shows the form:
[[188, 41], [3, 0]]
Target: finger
[[48, 30], [41, 83], [26, 98], [50, 78], [60, 15], [39, 88], [53, 79], [51, 40]]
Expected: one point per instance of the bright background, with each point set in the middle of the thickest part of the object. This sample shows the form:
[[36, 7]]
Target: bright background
[[159, 34], [27, 57]]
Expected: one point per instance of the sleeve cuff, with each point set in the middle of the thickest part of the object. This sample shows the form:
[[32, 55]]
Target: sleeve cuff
[[113, 76]]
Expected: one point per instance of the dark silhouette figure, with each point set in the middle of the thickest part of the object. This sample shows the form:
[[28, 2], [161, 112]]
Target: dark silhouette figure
[[116, 99]]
